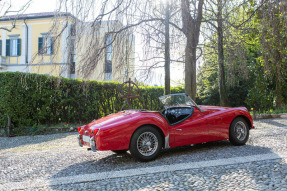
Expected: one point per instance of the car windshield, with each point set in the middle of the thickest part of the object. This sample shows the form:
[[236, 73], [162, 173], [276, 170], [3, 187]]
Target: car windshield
[[176, 100]]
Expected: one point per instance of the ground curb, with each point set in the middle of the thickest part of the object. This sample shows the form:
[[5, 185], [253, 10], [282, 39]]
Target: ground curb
[[270, 116], [41, 182]]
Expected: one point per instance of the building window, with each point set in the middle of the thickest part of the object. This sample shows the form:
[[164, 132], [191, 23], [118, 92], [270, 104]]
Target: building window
[[13, 47], [73, 50], [108, 57], [46, 45], [73, 56], [73, 30], [0, 47]]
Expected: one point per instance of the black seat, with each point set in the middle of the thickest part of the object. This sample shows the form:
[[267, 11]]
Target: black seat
[[178, 114]]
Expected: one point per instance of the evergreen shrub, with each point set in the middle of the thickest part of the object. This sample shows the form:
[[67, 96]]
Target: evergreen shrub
[[34, 99]]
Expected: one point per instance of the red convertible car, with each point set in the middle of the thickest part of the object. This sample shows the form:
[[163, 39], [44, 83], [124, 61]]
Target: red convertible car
[[182, 122]]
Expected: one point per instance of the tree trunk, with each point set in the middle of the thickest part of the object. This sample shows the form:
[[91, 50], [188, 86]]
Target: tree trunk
[[278, 86], [278, 59], [190, 70], [221, 73], [254, 114], [167, 51], [191, 28], [8, 126]]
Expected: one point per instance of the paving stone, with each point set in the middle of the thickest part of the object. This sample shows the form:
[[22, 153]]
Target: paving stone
[[54, 156]]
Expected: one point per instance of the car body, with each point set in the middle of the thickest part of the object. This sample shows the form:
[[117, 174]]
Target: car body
[[182, 122]]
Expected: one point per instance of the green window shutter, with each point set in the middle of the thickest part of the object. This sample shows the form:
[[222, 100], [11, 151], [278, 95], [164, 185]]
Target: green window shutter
[[52, 45], [18, 47], [40, 44], [7, 47], [0, 47]]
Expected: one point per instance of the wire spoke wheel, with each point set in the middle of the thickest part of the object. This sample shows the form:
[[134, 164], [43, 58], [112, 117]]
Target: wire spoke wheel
[[240, 130], [147, 143]]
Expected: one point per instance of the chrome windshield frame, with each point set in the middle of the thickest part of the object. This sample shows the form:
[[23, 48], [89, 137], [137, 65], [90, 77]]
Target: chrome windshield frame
[[179, 94]]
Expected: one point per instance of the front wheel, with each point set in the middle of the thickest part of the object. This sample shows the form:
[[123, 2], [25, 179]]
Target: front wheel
[[146, 144], [238, 132]]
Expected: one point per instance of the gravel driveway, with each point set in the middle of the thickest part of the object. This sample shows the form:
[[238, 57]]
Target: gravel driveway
[[50, 157]]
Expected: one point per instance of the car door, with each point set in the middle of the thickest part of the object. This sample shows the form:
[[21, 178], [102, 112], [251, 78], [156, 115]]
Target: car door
[[192, 130], [219, 126]]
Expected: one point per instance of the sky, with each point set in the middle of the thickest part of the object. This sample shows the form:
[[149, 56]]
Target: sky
[[37, 6]]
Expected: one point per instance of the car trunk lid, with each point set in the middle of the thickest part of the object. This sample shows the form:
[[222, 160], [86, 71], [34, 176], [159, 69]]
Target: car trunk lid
[[112, 118]]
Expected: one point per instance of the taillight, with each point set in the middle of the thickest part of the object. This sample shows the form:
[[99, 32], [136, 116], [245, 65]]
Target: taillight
[[96, 131], [79, 129]]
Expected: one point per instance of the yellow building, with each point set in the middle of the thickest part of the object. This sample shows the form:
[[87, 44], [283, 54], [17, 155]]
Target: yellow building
[[56, 44], [103, 54]]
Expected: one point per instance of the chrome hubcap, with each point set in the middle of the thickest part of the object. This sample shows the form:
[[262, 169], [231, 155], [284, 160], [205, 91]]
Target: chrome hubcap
[[147, 143], [240, 131]]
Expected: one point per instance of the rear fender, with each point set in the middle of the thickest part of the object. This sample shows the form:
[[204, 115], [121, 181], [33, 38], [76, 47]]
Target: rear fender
[[118, 137], [159, 123]]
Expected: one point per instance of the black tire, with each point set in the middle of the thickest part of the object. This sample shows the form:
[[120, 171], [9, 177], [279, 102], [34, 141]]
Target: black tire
[[146, 144], [120, 151], [238, 132]]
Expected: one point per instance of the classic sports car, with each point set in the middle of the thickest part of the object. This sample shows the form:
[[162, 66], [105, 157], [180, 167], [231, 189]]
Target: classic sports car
[[182, 122]]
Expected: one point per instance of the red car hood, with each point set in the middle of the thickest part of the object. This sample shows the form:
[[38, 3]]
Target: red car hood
[[111, 119]]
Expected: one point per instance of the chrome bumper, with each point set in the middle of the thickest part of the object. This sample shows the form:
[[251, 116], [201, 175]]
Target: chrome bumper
[[92, 143], [79, 141]]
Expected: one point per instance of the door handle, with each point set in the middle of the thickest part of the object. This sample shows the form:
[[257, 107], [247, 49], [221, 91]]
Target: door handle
[[179, 129]]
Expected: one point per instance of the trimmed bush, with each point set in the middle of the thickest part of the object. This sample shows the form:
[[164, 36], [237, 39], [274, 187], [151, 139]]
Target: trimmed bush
[[33, 99]]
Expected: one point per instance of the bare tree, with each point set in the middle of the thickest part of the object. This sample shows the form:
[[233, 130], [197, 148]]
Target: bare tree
[[160, 36], [167, 50], [187, 19], [221, 72], [191, 22], [188, 24]]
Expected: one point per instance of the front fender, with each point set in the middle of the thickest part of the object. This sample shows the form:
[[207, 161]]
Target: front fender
[[243, 112]]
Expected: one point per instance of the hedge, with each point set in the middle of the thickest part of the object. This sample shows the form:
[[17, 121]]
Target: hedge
[[33, 99]]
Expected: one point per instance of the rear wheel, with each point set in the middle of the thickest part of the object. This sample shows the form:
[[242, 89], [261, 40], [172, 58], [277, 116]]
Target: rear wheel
[[146, 144], [238, 132]]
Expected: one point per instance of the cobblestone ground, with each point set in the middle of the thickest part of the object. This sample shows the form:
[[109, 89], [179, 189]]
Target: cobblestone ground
[[53, 156]]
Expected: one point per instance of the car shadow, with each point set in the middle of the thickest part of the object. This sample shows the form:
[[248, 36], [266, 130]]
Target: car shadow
[[199, 152], [14, 142]]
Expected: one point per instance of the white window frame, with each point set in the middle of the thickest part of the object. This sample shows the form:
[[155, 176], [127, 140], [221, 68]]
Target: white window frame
[[108, 56], [47, 45], [13, 46]]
